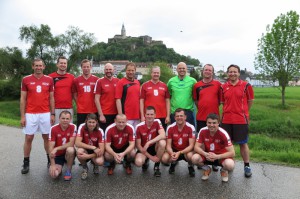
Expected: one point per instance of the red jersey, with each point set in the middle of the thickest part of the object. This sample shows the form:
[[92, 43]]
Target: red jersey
[[94, 138], [63, 90], [38, 93], [217, 143], [180, 139], [146, 134], [106, 89], [155, 95], [208, 97], [85, 94], [119, 139], [235, 102], [129, 93], [61, 137]]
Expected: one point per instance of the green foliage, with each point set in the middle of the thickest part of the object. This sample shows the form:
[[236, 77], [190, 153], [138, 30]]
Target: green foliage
[[165, 72], [195, 74], [10, 89], [278, 55]]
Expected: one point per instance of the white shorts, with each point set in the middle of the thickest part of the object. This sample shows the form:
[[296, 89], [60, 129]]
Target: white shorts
[[134, 123], [37, 123], [59, 110]]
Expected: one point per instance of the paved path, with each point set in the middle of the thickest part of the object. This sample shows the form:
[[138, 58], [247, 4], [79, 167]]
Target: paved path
[[268, 181]]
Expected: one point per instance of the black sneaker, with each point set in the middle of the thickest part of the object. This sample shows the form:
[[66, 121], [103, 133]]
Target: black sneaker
[[145, 165], [191, 171], [172, 168], [157, 173], [25, 168], [215, 168]]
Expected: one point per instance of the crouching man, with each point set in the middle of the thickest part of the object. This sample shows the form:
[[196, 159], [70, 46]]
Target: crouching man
[[61, 146], [213, 147]]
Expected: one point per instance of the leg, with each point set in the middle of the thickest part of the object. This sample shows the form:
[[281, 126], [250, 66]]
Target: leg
[[140, 159], [46, 142], [245, 152], [166, 158], [70, 155], [27, 145], [197, 160], [160, 148]]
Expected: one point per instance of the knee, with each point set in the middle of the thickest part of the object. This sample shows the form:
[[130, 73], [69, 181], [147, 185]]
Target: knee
[[228, 164], [165, 158], [162, 144], [138, 162], [29, 138], [196, 159], [70, 151], [99, 161]]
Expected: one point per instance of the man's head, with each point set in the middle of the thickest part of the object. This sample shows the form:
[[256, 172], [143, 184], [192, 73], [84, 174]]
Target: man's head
[[109, 70], [150, 114], [121, 121], [65, 118], [233, 72], [86, 67], [213, 122], [62, 64], [91, 122], [208, 71], [130, 71], [180, 116], [38, 66], [155, 73], [181, 69]]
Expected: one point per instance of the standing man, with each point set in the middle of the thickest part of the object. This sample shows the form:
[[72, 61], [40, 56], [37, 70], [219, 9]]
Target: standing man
[[119, 144], [105, 97], [214, 147], [206, 94], [36, 104], [128, 95], [180, 142], [61, 147], [155, 93], [181, 91], [62, 88], [237, 98], [83, 92], [150, 141]]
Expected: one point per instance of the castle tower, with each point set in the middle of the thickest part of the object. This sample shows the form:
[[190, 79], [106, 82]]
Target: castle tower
[[123, 32]]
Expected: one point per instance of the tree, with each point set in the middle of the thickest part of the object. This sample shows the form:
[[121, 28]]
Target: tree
[[165, 72], [278, 53]]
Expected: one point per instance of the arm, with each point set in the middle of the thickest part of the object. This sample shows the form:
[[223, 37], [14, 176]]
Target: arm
[[168, 107], [98, 105], [23, 100], [161, 136], [75, 95], [119, 106], [229, 154], [80, 144], [250, 102], [142, 104], [128, 149], [190, 147], [200, 149], [109, 150], [52, 108], [169, 146]]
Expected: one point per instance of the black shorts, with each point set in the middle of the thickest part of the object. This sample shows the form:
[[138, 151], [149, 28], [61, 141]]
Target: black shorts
[[200, 125], [120, 150], [163, 123], [237, 132], [61, 160], [150, 150], [109, 120], [214, 163]]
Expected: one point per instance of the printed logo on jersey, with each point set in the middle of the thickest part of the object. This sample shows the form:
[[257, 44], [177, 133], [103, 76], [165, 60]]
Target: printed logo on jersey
[[155, 92]]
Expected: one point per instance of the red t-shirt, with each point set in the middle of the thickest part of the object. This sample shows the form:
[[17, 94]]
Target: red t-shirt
[[38, 93], [62, 90], [129, 93], [94, 138], [119, 139], [155, 95], [106, 89], [235, 99], [145, 134], [208, 97], [61, 137], [217, 143], [85, 94], [180, 139]]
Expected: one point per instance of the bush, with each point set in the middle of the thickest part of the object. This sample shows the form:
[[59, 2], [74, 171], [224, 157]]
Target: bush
[[10, 89]]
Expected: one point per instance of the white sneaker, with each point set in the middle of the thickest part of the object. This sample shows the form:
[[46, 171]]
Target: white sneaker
[[224, 175], [206, 172]]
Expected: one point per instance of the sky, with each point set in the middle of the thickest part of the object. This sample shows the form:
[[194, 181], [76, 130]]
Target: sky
[[217, 32]]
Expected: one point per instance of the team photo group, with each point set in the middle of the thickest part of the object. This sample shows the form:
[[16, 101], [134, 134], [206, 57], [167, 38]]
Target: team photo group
[[120, 121]]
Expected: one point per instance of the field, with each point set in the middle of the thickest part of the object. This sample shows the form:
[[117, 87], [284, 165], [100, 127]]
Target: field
[[275, 130]]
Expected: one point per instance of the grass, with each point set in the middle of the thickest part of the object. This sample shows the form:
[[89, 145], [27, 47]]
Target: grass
[[274, 130]]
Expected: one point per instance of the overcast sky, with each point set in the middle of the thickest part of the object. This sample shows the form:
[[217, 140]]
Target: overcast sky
[[218, 32]]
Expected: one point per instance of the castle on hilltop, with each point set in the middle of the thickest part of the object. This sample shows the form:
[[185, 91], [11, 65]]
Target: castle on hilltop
[[147, 40]]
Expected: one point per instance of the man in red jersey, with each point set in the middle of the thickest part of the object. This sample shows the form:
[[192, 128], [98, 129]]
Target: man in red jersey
[[128, 95], [213, 146], [155, 93], [62, 88], [206, 94], [61, 146], [237, 98], [36, 103], [90, 143], [105, 97], [150, 141], [180, 142], [83, 92], [119, 144]]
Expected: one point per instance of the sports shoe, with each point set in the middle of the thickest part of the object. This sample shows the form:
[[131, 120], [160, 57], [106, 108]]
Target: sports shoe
[[191, 171], [68, 176], [111, 168], [96, 169], [157, 172], [224, 175], [145, 165], [247, 171], [84, 173], [172, 168], [128, 169], [215, 168], [206, 172], [25, 168]]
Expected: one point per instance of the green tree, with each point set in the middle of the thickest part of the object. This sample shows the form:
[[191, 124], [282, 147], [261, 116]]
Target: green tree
[[165, 72], [278, 55]]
